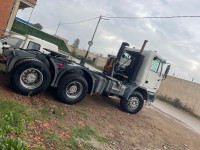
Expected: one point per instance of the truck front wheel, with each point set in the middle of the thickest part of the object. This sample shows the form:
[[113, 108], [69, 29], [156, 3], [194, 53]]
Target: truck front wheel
[[72, 88], [30, 77], [134, 103]]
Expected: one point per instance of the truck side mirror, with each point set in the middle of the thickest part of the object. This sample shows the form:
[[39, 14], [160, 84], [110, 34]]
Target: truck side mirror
[[166, 71]]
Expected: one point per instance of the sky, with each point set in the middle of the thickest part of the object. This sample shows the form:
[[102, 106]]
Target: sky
[[176, 40]]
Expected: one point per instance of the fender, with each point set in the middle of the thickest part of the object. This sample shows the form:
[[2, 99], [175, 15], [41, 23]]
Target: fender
[[79, 70], [14, 56], [134, 87], [11, 62]]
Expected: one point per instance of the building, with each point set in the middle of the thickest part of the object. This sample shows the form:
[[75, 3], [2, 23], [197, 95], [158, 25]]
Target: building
[[8, 12]]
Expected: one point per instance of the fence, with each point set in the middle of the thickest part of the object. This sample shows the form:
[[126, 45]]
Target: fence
[[186, 91], [23, 29]]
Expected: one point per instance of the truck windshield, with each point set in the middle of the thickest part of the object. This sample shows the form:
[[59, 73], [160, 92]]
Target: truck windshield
[[156, 66], [12, 41]]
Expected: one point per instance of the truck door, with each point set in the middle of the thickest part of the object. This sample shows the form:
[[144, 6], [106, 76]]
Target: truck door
[[154, 76]]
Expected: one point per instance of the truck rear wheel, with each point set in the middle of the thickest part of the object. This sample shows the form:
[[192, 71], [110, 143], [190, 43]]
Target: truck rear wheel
[[30, 77], [72, 88], [134, 103]]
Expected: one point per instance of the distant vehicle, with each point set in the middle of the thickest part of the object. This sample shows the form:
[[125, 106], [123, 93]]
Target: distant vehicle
[[133, 75], [27, 42]]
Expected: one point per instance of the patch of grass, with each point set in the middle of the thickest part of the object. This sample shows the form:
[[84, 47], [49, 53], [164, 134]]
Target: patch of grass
[[50, 112], [82, 104], [82, 114], [13, 117], [80, 138], [87, 133], [60, 143], [83, 133], [102, 140], [73, 144], [177, 103], [59, 125], [87, 145]]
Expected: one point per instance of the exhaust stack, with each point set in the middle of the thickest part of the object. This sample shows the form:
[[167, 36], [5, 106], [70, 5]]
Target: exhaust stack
[[143, 46]]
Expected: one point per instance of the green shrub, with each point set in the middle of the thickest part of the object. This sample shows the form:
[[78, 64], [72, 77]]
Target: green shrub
[[177, 103], [89, 61], [13, 116], [12, 144]]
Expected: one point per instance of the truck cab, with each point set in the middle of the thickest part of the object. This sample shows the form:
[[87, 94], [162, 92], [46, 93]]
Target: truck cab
[[27, 42], [137, 70], [150, 73]]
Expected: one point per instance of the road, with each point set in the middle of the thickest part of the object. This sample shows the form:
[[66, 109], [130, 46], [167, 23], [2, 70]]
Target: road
[[86, 65], [180, 116]]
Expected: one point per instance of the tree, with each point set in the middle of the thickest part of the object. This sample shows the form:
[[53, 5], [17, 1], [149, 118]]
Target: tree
[[38, 26], [76, 43]]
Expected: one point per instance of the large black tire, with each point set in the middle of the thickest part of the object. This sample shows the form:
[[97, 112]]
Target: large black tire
[[72, 88], [134, 103], [30, 77]]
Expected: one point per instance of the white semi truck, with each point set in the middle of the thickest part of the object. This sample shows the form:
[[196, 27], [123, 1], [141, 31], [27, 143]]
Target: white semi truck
[[133, 75]]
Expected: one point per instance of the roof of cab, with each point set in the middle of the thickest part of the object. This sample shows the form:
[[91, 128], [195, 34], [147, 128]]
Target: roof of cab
[[146, 52], [34, 38]]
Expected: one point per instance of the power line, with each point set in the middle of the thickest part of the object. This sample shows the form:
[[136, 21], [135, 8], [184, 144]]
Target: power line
[[80, 21], [51, 26], [73, 22], [160, 17], [109, 17]]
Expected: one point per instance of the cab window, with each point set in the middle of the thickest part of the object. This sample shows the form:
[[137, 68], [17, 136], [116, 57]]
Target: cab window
[[126, 55], [12, 41], [156, 66], [32, 45]]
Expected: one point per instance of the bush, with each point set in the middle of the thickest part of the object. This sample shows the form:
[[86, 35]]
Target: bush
[[12, 144], [13, 117], [177, 103]]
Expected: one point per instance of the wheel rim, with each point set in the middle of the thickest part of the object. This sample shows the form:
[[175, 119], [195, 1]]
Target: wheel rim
[[74, 89], [133, 102], [31, 78]]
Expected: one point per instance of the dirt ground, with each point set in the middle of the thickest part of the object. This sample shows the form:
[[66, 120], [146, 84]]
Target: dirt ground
[[149, 129]]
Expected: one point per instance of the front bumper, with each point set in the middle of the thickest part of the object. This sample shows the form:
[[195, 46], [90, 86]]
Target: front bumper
[[152, 97]]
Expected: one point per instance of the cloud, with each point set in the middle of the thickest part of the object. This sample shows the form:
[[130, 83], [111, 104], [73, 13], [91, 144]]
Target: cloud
[[176, 40]]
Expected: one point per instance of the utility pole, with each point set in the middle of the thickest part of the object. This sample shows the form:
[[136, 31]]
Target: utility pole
[[90, 43], [30, 15], [57, 28]]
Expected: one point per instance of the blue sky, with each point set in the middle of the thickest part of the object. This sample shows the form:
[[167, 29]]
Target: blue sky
[[176, 40]]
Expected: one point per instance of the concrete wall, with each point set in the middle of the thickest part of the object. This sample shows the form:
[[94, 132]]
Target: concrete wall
[[188, 92], [99, 60]]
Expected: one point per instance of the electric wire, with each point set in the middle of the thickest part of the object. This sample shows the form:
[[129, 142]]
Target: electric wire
[[110, 17], [151, 17], [72, 22]]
